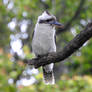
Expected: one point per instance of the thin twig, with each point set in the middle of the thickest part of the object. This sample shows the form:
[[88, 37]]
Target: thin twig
[[77, 13]]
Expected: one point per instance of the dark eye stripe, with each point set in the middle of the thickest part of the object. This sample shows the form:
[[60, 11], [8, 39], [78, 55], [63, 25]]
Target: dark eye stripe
[[45, 21], [42, 21], [48, 20]]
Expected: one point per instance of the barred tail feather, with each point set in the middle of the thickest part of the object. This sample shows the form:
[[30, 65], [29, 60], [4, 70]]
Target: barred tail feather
[[48, 77]]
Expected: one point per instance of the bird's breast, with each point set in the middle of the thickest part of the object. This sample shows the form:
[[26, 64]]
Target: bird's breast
[[43, 41]]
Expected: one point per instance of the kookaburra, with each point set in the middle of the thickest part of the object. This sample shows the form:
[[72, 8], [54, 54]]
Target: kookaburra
[[43, 42]]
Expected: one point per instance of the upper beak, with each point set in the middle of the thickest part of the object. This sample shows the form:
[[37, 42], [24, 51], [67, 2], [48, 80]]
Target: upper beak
[[57, 24]]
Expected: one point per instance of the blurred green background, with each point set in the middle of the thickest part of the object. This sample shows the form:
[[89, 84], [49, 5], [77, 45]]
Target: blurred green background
[[17, 21]]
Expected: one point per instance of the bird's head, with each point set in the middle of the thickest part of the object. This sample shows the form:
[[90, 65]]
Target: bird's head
[[47, 19]]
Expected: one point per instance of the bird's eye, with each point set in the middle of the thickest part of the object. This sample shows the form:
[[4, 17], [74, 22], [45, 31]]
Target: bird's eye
[[48, 20]]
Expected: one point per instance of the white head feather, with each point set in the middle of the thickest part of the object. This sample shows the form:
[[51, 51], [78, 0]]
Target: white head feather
[[45, 15]]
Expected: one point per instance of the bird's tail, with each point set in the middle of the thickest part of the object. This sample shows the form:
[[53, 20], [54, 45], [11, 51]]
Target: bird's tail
[[48, 75]]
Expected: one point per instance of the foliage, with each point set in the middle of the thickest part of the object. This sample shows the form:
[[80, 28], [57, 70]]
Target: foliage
[[65, 84]]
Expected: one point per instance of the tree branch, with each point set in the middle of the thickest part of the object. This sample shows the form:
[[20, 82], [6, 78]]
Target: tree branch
[[77, 13], [68, 50]]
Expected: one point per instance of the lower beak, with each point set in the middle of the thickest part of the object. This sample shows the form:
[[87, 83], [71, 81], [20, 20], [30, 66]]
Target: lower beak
[[57, 24]]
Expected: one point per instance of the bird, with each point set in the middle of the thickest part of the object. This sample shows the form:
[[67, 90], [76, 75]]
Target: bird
[[44, 42]]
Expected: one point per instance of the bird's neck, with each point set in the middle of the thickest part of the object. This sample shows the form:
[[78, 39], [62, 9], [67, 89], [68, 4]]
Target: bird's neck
[[45, 28]]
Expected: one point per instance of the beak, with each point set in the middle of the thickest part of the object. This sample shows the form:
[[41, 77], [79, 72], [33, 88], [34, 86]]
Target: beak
[[57, 24]]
